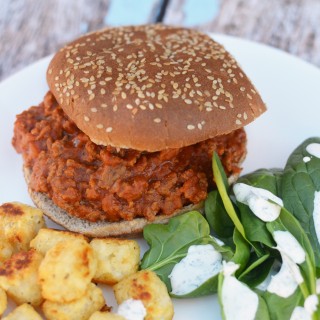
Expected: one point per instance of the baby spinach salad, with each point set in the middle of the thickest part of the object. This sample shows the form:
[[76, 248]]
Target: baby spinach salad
[[257, 244]]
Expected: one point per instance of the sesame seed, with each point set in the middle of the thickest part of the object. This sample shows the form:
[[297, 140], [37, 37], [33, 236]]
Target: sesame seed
[[188, 101], [129, 106], [245, 116], [242, 89], [190, 127], [103, 105], [99, 126], [87, 119], [123, 95], [238, 122], [157, 120], [109, 129], [93, 109]]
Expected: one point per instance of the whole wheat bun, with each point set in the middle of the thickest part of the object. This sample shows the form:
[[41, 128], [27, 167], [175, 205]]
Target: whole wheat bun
[[152, 87]]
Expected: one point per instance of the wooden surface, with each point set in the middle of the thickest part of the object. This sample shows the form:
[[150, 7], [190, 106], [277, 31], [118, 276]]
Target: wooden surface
[[32, 29]]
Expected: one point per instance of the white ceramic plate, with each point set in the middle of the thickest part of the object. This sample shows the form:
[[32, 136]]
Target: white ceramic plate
[[289, 87]]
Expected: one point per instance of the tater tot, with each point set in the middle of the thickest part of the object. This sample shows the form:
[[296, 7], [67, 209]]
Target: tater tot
[[23, 312], [98, 315], [66, 271], [19, 277], [80, 309], [146, 286], [48, 238], [19, 224], [3, 301], [117, 258]]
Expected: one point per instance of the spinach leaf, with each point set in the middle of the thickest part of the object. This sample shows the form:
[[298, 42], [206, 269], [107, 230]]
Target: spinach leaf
[[242, 251], [222, 185], [282, 308], [207, 288], [299, 183], [255, 228], [170, 243], [217, 216], [269, 179], [257, 271]]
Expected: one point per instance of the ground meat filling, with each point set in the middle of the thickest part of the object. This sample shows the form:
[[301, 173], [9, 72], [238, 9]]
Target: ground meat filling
[[104, 183]]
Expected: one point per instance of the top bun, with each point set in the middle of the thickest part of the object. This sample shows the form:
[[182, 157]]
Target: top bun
[[152, 87]]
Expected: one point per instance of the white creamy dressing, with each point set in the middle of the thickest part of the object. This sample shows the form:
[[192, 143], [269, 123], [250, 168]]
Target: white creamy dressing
[[316, 213], [288, 244], [306, 159], [314, 149], [318, 286], [200, 264], [306, 312], [239, 302], [286, 281], [229, 268], [273, 271], [264, 204], [300, 313], [132, 309], [311, 303], [218, 241]]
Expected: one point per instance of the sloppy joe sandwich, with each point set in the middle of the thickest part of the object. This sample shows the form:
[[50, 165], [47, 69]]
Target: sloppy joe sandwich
[[126, 134]]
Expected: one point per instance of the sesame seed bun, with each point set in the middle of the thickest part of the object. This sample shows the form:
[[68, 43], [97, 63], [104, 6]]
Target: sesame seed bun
[[152, 87]]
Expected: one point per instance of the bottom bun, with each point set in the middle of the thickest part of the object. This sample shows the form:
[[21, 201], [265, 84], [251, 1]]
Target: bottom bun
[[99, 228]]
